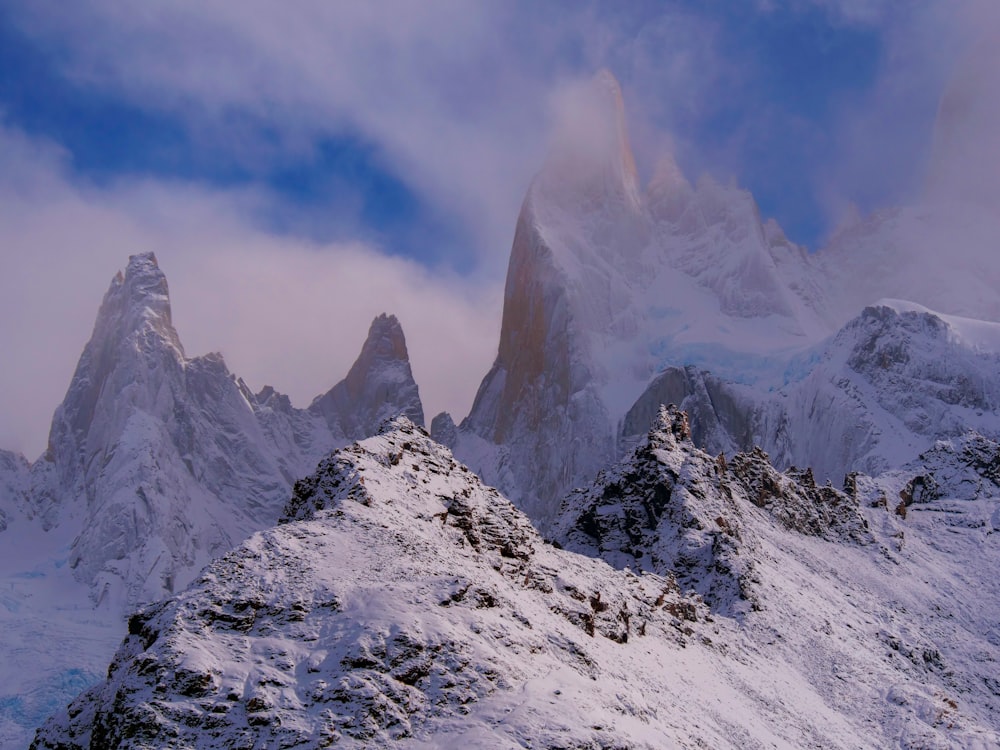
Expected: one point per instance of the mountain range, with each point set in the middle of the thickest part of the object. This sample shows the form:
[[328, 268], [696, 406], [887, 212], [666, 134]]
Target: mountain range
[[797, 554]]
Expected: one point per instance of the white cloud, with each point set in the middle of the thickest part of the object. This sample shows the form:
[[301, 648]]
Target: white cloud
[[453, 95], [447, 91], [286, 313], [883, 139]]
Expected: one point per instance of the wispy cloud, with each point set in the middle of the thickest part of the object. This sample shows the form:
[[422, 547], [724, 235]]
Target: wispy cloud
[[455, 99], [290, 314], [454, 96], [882, 137], [445, 90]]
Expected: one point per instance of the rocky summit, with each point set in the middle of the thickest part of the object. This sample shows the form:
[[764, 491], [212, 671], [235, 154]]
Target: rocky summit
[[403, 603]]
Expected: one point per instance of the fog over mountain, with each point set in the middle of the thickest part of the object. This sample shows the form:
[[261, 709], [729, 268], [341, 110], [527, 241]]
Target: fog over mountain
[[683, 482]]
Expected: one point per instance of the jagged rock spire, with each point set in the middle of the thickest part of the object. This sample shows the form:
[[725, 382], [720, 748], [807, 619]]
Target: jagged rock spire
[[133, 323], [378, 386], [671, 421], [385, 344]]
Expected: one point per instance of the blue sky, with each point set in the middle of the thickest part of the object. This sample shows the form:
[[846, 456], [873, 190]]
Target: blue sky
[[382, 150], [776, 83]]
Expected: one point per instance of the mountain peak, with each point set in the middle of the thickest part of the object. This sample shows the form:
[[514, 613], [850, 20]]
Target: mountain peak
[[385, 346], [139, 299], [385, 342], [133, 323], [378, 386], [591, 159], [669, 191], [672, 423], [404, 603]]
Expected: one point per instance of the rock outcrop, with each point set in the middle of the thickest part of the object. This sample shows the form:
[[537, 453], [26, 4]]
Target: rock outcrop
[[671, 508], [402, 601]]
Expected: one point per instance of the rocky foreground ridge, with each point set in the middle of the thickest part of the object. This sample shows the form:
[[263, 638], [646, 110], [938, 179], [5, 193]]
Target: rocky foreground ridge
[[404, 603]]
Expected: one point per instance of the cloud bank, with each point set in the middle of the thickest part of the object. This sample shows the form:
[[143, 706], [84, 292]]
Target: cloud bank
[[286, 313]]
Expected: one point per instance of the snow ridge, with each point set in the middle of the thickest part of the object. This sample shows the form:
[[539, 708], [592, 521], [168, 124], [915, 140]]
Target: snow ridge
[[673, 509], [409, 604], [403, 603], [157, 463]]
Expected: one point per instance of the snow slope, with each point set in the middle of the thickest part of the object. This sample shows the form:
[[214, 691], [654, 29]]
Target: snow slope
[[406, 604]]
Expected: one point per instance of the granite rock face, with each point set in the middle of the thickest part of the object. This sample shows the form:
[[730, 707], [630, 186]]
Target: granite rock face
[[166, 462]]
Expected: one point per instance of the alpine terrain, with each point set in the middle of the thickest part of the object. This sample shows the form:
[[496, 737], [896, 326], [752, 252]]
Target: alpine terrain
[[404, 603], [156, 464], [716, 491], [619, 299]]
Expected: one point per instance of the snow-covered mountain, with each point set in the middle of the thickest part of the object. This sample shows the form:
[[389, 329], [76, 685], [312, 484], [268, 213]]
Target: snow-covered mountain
[[619, 299], [606, 285], [170, 461], [158, 463], [883, 389], [882, 598], [406, 604], [378, 386]]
